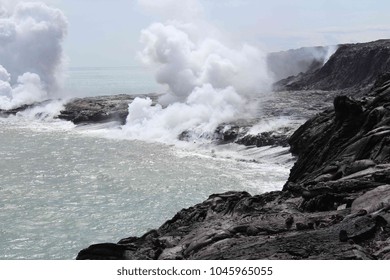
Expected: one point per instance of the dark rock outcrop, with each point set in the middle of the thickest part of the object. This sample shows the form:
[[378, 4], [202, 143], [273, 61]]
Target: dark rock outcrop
[[100, 108], [6, 113], [349, 139], [9, 112], [237, 225], [238, 133], [335, 205], [352, 66], [268, 138]]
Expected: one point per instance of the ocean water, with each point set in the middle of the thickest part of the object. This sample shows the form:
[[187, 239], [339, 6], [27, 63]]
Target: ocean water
[[64, 187], [92, 81]]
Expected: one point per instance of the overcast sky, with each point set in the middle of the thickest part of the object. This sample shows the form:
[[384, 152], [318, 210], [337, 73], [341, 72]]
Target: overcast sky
[[107, 32]]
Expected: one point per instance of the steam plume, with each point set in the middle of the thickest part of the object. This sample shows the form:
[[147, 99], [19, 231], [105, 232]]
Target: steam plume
[[209, 82], [30, 52]]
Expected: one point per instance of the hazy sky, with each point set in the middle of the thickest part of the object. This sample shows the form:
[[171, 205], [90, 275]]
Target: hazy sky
[[106, 32]]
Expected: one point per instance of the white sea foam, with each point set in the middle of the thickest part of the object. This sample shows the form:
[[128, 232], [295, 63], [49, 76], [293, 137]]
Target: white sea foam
[[274, 124]]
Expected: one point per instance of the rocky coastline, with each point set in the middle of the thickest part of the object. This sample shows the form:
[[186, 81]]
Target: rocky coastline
[[335, 205], [336, 202]]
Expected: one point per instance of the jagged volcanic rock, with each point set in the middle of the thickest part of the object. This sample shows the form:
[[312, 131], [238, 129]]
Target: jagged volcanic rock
[[352, 137], [335, 204]]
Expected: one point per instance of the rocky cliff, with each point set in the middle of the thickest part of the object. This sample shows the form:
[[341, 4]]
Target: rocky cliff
[[335, 205], [351, 66]]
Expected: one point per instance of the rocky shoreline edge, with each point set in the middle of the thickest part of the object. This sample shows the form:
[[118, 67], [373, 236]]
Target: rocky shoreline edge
[[335, 204]]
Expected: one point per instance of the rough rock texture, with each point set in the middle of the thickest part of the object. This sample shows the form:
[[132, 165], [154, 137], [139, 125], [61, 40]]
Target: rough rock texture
[[237, 225], [353, 65], [335, 204], [100, 108], [351, 139]]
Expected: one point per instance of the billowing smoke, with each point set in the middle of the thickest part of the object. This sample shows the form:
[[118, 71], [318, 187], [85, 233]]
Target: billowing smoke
[[185, 59], [31, 55], [209, 82]]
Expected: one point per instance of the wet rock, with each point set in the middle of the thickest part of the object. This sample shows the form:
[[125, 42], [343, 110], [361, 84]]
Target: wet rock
[[6, 113], [228, 133], [268, 138], [103, 251], [100, 108], [14, 111], [237, 132]]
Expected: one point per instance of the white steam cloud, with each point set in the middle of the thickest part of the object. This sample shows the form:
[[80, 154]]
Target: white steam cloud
[[209, 82], [185, 60], [31, 55]]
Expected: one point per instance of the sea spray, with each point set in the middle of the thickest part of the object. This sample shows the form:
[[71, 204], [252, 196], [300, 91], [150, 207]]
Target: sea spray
[[31, 55], [203, 111]]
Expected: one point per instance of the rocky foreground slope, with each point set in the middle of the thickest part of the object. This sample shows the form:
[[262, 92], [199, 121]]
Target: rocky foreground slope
[[335, 205]]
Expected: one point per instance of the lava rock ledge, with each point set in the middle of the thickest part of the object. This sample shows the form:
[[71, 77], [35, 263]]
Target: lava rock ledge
[[335, 204]]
